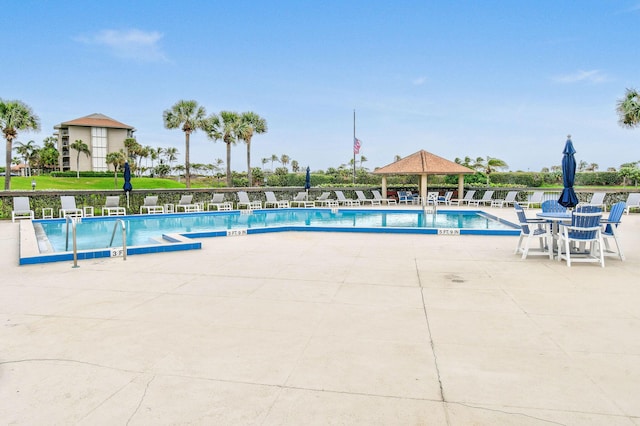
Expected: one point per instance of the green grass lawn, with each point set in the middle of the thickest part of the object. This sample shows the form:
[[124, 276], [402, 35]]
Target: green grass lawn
[[103, 183]]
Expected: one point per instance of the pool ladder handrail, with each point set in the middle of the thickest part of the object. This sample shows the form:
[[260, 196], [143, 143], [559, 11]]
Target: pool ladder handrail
[[124, 237], [73, 221]]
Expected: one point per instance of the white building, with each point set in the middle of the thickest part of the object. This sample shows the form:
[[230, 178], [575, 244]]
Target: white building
[[102, 135]]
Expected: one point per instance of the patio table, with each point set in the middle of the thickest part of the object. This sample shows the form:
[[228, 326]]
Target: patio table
[[554, 219]]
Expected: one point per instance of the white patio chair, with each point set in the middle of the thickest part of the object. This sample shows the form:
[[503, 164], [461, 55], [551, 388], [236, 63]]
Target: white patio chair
[[324, 201], [346, 201], [273, 201], [150, 205], [301, 200], [486, 198], [21, 209], [218, 202], [112, 207], [243, 200], [534, 199], [187, 205], [363, 199], [467, 197], [378, 196], [68, 207], [531, 229], [506, 201], [597, 200], [633, 201]]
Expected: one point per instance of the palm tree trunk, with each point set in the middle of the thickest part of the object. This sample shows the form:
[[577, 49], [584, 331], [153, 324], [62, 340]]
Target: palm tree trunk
[[187, 166], [78, 166], [229, 180], [249, 162], [7, 170]]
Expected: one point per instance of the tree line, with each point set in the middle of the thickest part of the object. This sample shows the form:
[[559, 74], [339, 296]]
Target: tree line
[[229, 127]]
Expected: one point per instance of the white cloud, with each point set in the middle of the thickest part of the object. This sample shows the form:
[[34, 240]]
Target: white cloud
[[419, 81], [129, 44], [593, 76]]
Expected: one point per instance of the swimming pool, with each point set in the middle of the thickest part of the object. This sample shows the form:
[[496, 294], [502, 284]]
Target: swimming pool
[[94, 234]]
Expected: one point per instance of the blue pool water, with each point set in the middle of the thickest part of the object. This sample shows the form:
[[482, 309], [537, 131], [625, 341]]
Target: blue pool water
[[95, 233]]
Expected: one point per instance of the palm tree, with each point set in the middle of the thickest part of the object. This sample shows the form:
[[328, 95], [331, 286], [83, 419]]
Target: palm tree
[[190, 117], [250, 124], [81, 148], [15, 116], [284, 160], [171, 155], [629, 109], [27, 151], [274, 157], [117, 160], [228, 135], [362, 160], [491, 165]]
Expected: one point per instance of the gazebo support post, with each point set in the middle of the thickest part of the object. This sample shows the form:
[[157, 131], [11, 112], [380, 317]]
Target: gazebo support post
[[423, 188], [460, 186], [384, 186]]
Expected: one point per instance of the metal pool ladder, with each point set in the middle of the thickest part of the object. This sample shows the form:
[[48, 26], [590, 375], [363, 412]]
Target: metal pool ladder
[[124, 236]]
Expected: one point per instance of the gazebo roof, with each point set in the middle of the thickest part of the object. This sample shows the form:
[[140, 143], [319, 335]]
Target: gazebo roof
[[423, 163]]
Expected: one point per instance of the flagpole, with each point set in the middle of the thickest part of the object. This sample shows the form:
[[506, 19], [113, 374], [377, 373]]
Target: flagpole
[[354, 151]]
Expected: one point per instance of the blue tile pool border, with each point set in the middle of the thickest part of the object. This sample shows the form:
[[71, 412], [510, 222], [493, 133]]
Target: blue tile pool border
[[184, 241]]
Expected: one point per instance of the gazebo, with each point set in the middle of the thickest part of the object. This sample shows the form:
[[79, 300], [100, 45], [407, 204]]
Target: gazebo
[[424, 163]]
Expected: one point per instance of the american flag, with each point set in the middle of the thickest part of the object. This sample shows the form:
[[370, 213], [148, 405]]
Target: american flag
[[356, 145]]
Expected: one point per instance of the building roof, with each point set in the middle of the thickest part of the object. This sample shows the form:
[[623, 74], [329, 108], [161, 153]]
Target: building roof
[[96, 120], [423, 163]]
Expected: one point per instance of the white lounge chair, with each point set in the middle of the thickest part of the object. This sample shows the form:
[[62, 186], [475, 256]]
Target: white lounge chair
[[530, 229], [68, 207], [346, 201], [244, 201], [21, 209], [187, 205], [584, 228], [467, 197], [534, 199], [112, 207], [150, 205], [363, 199], [378, 196], [486, 199], [633, 201], [509, 199], [301, 200], [217, 201], [324, 201], [273, 201], [597, 200]]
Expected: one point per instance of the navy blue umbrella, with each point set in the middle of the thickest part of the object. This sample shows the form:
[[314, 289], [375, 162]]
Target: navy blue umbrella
[[307, 182], [568, 198], [307, 179], [127, 181]]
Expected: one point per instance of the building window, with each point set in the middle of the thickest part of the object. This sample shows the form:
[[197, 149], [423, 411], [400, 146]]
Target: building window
[[99, 148]]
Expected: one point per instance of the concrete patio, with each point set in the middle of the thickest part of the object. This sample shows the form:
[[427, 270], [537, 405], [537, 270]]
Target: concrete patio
[[323, 328]]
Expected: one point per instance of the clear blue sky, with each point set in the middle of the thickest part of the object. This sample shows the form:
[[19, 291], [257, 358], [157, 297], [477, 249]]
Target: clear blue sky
[[507, 79]]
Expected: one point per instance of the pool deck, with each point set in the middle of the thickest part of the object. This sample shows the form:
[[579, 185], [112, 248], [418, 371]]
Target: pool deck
[[307, 328]]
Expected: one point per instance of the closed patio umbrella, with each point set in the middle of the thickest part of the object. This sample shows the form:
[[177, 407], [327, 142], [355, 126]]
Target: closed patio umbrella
[[127, 181], [307, 182], [568, 198]]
